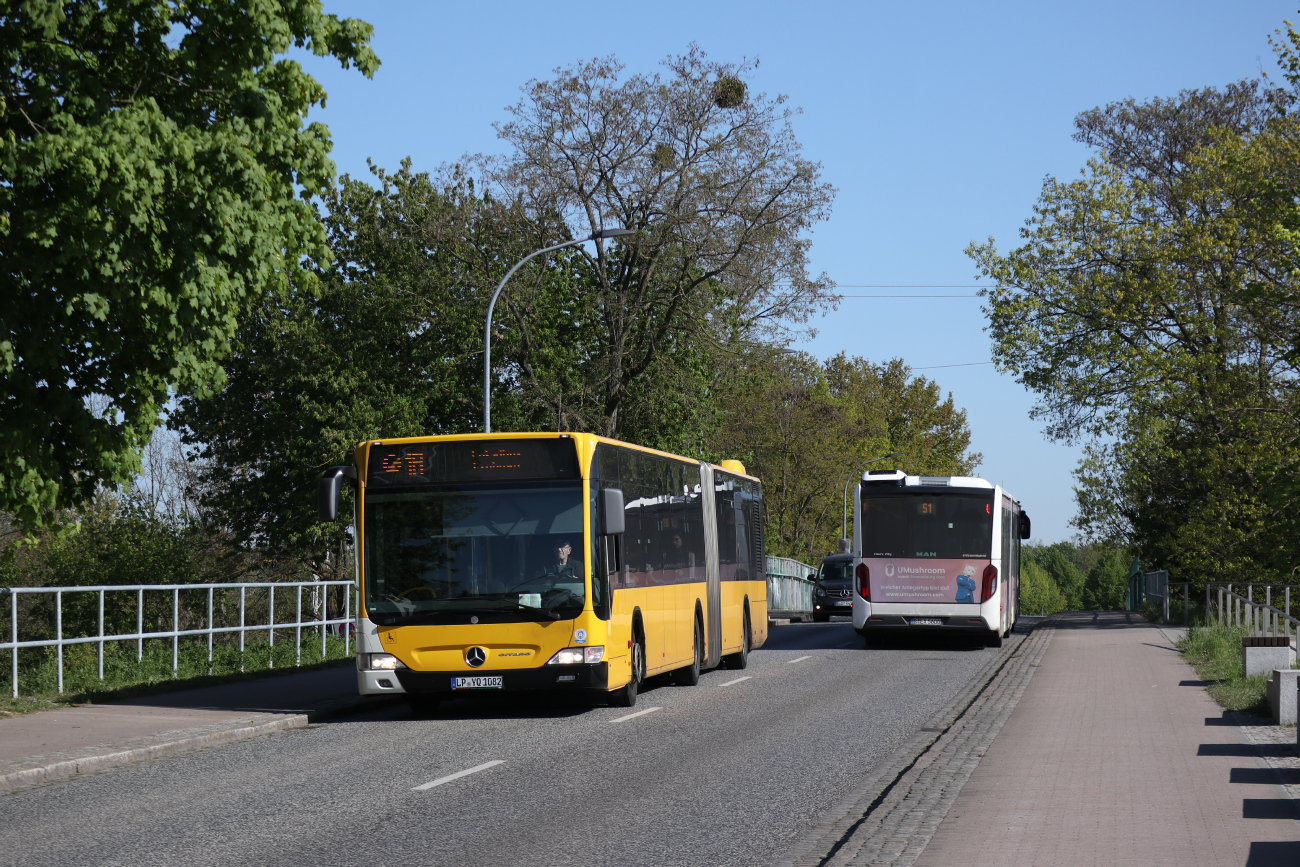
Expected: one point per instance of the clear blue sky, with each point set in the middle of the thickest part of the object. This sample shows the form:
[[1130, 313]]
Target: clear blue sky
[[936, 121]]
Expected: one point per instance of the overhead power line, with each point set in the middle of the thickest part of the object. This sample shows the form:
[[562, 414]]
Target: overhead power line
[[937, 366]]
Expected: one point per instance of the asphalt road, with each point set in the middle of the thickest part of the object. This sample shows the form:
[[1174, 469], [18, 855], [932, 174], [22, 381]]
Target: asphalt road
[[724, 773]]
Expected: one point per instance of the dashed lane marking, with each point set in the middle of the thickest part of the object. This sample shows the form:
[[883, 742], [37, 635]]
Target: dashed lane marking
[[737, 680], [637, 714], [800, 659], [459, 774]]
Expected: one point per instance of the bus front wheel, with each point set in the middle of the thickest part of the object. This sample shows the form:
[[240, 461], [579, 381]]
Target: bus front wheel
[[626, 695]]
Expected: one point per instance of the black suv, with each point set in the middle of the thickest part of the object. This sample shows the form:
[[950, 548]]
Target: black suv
[[833, 592]]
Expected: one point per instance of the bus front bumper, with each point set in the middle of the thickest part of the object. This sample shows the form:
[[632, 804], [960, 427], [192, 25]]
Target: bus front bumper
[[594, 676]]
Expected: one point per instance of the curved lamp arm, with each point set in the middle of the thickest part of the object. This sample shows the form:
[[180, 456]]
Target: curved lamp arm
[[487, 323]]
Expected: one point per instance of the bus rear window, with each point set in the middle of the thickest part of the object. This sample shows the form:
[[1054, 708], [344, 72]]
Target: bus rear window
[[945, 526]]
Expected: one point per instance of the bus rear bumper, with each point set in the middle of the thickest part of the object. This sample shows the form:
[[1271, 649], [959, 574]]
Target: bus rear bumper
[[898, 621], [584, 676]]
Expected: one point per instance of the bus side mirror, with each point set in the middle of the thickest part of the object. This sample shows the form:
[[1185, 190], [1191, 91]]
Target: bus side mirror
[[327, 505], [1024, 526], [612, 520]]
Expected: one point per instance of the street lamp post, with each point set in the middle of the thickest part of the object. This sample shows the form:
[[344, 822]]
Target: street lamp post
[[844, 528], [487, 323]]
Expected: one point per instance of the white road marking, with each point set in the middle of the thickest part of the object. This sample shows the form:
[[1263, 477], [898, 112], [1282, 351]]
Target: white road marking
[[637, 714], [800, 659], [459, 774], [737, 680]]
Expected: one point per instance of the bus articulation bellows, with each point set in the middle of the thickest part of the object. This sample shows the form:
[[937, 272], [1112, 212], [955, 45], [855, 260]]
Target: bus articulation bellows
[[936, 552], [548, 562]]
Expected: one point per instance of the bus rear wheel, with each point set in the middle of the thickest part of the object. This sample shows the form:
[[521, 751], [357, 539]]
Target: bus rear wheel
[[740, 659], [690, 675], [993, 639]]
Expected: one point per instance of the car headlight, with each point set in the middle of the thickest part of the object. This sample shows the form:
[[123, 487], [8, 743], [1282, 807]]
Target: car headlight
[[820, 591], [380, 662], [576, 655]]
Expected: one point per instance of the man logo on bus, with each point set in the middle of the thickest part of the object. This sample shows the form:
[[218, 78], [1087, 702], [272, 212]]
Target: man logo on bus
[[966, 584]]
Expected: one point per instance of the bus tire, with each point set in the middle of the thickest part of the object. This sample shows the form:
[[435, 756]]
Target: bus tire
[[626, 695], [993, 639], [690, 675], [422, 704], [740, 659]]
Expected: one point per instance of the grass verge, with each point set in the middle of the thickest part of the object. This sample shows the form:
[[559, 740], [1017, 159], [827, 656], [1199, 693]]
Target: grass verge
[[1215, 652]]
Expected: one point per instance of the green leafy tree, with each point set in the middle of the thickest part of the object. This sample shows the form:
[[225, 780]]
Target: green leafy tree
[[155, 172], [1105, 587], [1038, 592], [1153, 306], [1057, 561], [802, 426]]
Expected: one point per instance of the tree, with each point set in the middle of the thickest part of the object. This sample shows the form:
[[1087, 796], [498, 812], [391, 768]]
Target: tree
[[712, 180], [1038, 592], [1057, 561], [1106, 585], [155, 177], [802, 427], [384, 342], [1153, 306]]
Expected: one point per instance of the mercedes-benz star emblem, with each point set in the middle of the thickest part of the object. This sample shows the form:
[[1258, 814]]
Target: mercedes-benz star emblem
[[476, 656]]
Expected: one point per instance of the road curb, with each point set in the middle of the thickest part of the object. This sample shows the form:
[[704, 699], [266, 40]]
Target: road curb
[[885, 794], [181, 741]]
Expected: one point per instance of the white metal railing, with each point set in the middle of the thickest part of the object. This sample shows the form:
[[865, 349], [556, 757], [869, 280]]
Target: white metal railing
[[788, 588], [324, 622], [1263, 619]]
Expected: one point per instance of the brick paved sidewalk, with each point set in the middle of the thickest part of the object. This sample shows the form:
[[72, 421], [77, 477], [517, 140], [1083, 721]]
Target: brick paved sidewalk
[[1116, 755]]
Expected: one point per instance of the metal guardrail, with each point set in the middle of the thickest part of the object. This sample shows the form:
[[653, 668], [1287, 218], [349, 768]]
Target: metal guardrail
[[323, 623], [788, 588]]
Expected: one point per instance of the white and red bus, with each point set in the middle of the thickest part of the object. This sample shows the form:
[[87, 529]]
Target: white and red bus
[[936, 553]]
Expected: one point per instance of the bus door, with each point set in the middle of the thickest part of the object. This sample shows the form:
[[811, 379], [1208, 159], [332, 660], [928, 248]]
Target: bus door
[[712, 577]]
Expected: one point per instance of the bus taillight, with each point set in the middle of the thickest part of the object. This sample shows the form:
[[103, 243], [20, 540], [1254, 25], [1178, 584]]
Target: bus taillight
[[864, 582], [990, 582]]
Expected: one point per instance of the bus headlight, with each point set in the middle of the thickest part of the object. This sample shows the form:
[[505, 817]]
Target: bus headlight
[[380, 662], [576, 655]]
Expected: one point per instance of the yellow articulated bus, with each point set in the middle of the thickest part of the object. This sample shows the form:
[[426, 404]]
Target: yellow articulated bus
[[548, 561]]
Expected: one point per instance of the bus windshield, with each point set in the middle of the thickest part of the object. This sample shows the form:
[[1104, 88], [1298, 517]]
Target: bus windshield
[[499, 552], [942, 525]]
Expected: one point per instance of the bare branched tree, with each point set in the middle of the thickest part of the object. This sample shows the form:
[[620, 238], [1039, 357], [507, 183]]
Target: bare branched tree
[[711, 179]]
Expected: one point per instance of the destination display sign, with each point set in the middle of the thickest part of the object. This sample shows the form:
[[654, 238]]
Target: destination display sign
[[434, 463]]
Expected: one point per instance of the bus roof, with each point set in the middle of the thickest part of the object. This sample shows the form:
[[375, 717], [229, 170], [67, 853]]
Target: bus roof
[[900, 479]]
